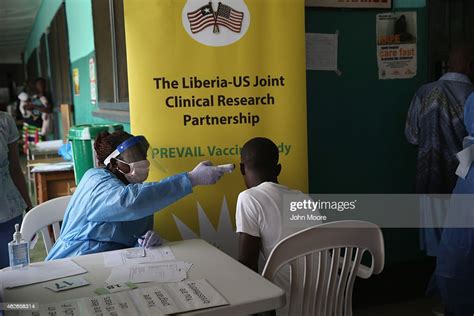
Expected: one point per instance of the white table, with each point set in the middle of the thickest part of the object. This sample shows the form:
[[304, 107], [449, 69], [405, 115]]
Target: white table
[[246, 291]]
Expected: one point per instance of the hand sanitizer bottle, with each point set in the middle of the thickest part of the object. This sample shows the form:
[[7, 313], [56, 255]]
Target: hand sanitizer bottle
[[18, 250]]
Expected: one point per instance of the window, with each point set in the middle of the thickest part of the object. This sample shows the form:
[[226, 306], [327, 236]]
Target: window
[[59, 59], [111, 59]]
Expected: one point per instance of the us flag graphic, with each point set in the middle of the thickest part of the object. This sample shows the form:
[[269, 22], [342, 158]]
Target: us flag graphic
[[201, 18], [230, 18]]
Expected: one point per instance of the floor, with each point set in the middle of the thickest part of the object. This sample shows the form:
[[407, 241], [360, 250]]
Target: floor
[[419, 307], [38, 253]]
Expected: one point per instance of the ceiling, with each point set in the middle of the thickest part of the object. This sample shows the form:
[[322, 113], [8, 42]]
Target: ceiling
[[16, 21]]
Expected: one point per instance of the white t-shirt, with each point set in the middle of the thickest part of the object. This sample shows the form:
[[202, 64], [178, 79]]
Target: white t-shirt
[[259, 213]]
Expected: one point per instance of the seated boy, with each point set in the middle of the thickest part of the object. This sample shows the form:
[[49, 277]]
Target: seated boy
[[258, 216]]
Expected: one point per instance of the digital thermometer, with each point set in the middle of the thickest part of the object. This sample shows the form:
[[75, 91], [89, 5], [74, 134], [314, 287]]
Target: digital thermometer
[[228, 168]]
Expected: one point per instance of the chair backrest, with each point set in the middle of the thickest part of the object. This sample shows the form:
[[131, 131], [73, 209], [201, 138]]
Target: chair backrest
[[324, 261], [40, 217]]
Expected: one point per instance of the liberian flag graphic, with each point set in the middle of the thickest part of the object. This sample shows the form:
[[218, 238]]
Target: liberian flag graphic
[[201, 18], [224, 16]]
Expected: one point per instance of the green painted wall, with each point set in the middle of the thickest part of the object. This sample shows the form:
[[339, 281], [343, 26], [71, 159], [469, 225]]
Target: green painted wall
[[80, 28], [356, 121]]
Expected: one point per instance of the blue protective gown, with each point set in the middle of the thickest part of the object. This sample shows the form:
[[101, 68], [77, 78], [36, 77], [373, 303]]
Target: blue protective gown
[[455, 262], [105, 214]]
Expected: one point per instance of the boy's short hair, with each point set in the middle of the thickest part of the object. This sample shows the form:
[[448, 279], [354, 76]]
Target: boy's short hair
[[260, 153]]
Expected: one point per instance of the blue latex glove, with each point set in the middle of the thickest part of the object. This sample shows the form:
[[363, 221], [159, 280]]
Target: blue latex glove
[[150, 239], [65, 151], [204, 174]]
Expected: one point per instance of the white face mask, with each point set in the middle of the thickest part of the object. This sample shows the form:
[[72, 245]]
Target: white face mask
[[138, 171]]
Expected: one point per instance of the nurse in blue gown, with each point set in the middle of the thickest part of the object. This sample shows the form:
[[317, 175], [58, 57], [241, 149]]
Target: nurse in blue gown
[[455, 262], [112, 208]]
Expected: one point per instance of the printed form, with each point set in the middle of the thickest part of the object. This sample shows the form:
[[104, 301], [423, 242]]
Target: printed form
[[122, 257], [172, 271], [165, 299]]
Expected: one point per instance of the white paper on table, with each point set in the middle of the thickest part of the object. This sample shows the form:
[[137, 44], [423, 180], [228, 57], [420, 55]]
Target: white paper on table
[[59, 166], [117, 304], [66, 284], [119, 257], [48, 146], [171, 298], [39, 272], [135, 253], [172, 271], [66, 308]]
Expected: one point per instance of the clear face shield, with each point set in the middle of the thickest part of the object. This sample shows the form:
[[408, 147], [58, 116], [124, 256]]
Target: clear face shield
[[132, 150], [132, 153], [136, 153]]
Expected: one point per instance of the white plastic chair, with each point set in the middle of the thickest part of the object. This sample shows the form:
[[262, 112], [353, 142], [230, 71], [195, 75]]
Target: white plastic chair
[[40, 217], [324, 262]]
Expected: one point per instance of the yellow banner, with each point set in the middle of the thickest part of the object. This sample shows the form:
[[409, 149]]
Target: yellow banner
[[204, 78]]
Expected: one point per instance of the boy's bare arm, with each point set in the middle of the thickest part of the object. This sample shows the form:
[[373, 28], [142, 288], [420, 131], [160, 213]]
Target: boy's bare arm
[[249, 250]]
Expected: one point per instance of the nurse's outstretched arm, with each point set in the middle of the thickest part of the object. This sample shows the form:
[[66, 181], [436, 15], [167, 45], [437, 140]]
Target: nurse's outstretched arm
[[115, 202]]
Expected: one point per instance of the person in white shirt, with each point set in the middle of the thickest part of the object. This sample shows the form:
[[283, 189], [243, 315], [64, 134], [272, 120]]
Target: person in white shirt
[[260, 207]]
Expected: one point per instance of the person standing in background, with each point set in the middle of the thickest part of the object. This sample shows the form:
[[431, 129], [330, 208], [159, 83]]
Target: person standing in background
[[14, 197], [435, 124], [37, 112], [42, 101]]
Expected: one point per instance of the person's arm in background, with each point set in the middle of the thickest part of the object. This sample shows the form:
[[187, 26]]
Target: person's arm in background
[[17, 174], [246, 219]]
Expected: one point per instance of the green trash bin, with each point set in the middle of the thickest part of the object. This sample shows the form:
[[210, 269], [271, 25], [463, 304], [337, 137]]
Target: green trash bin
[[82, 138]]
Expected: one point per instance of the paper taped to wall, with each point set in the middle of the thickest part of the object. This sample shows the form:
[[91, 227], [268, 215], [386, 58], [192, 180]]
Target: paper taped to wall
[[322, 51]]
